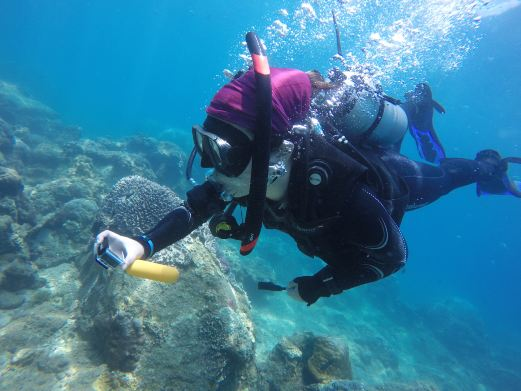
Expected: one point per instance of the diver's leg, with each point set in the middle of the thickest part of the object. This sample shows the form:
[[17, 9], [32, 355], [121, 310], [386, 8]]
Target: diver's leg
[[427, 183]]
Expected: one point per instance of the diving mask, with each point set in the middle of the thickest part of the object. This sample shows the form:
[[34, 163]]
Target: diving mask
[[216, 152]]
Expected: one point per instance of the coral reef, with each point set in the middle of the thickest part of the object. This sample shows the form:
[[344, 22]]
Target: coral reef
[[196, 334], [65, 323]]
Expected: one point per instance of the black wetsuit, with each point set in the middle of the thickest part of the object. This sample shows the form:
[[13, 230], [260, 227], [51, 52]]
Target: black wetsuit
[[348, 216]]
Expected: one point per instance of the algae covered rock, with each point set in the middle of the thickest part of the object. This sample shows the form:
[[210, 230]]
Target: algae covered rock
[[196, 334], [166, 159], [305, 359], [7, 140], [9, 300], [329, 360], [20, 275], [339, 385], [111, 158], [47, 154], [10, 182], [11, 237], [17, 108], [349, 385]]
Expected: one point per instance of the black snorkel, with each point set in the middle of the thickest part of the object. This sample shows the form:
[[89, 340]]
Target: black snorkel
[[189, 166], [261, 151]]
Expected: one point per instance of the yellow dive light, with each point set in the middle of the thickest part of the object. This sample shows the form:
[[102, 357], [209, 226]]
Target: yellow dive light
[[153, 271], [139, 268]]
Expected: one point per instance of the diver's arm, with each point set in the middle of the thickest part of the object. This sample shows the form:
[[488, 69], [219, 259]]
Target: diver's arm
[[375, 249], [202, 202]]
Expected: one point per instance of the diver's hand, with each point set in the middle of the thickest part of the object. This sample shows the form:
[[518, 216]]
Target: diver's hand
[[126, 248], [306, 288], [292, 290]]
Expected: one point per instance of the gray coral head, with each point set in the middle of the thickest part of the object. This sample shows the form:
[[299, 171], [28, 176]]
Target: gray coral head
[[135, 205], [10, 182]]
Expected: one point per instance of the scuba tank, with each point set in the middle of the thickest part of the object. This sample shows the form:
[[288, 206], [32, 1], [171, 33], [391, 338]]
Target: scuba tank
[[358, 110]]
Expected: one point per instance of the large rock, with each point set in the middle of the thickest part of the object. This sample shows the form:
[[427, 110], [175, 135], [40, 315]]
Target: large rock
[[457, 325], [305, 359], [12, 240], [194, 335], [10, 182], [9, 300], [7, 139], [166, 159], [20, 110], [20, 275], [111, 158], [349, 385]]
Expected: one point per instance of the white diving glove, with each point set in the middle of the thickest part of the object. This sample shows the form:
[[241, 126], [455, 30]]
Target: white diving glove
[[126, 248]]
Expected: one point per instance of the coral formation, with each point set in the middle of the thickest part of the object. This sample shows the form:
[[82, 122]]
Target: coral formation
[[135, 205], [196, 334], [65, 323]]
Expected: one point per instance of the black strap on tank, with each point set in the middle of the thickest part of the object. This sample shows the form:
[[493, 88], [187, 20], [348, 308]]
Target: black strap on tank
[[368, 133]]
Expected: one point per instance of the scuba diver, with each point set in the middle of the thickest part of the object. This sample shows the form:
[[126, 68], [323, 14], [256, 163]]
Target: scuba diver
[[279, 144]]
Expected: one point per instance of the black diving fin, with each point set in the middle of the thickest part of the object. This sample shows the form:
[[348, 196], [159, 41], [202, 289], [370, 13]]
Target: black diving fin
[[420, 107], [499, 183]]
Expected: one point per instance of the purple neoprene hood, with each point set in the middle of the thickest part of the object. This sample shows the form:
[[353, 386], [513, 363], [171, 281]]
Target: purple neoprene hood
[[291, 92]]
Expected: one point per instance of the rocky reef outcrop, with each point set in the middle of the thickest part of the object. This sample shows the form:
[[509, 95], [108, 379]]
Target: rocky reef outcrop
[[305, 359], [67, 324], [196, 334]]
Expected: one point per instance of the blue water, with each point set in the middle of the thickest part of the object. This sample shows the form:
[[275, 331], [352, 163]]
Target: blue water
[[120, 67]]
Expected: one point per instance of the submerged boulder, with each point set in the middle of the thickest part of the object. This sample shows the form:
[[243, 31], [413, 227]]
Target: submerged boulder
[[20, 275], [349, 385], [457, 324], [18, 109], [10, 182], [7, 140], [196, 334], [9, 300], [329, 360], [166, 159], [306, 359]]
